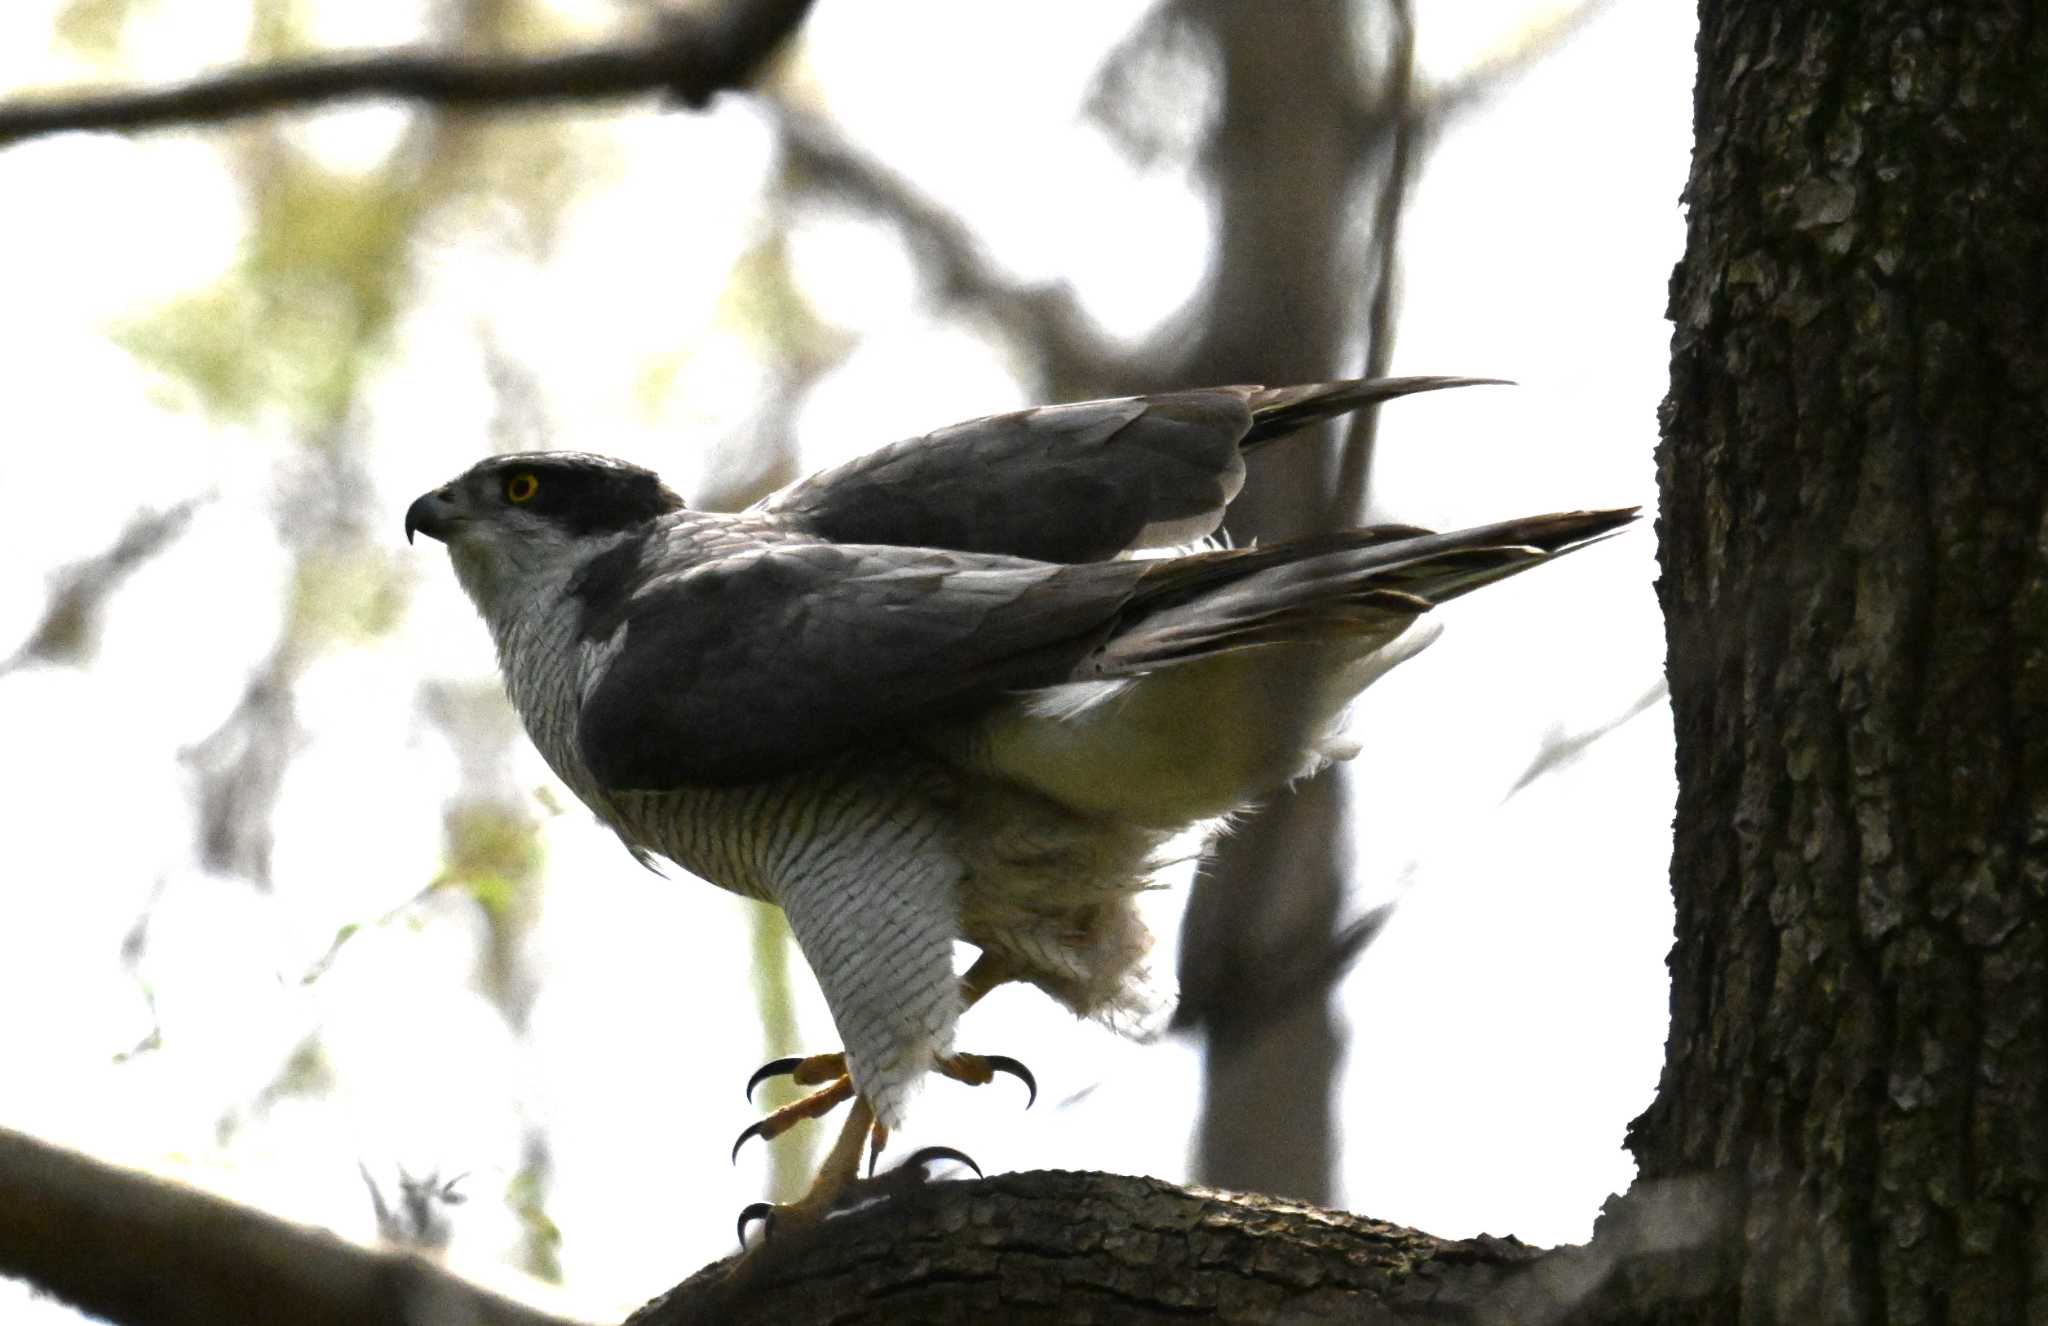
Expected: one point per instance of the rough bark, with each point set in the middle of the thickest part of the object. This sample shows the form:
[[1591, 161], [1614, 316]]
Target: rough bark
[[1855, 581], [1051, 1247]]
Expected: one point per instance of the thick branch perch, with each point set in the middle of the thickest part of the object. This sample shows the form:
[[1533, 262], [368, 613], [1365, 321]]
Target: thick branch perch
[[686, 56], [1046, 1248], [1050, 1247]]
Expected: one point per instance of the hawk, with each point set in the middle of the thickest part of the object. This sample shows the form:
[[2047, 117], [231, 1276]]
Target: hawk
[[939, 694]]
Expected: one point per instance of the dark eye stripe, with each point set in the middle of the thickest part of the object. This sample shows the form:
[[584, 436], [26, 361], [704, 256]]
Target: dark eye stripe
[[582, 495]]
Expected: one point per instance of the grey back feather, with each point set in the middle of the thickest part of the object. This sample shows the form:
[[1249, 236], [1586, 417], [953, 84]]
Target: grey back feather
[[1071, 483]]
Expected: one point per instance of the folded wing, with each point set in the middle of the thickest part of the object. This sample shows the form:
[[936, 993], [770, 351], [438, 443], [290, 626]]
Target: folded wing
[[755, 665], [1071, 483]]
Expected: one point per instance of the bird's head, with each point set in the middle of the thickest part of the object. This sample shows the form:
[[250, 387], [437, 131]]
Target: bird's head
[[513, 521]]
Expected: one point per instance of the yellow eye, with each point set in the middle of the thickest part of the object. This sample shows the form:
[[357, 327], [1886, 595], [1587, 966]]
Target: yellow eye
[[521, 488]]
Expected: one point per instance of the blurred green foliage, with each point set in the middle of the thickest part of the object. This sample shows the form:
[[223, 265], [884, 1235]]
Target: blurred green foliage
[[525, 1197], [93, 27], [494, 854], [294, 324], [345, 594]]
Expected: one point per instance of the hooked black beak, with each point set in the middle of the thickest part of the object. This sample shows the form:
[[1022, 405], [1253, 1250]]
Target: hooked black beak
[[431, 515]]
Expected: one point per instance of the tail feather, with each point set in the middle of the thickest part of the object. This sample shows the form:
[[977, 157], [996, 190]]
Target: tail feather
[[1354, 583], [1233, 671], [1279, 411]]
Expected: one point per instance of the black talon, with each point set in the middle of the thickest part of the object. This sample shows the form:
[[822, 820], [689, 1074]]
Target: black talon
[[761, 1211], [751, 1130], [773, 1068], [931, 1154], [1003, 1063]]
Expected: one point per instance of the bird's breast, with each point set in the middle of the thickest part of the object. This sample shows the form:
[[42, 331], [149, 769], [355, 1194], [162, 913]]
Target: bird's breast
[[880, 804]]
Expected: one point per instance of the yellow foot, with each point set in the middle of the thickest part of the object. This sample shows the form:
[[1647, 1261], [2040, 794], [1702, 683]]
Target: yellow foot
[[828, 1072], [841, 1168], [814, 1106], [974, 1069], [978, 1070], [805, 1072], [836, 1177]]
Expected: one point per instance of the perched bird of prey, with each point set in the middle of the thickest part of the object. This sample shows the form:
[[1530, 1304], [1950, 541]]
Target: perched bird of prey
[[931, 695]]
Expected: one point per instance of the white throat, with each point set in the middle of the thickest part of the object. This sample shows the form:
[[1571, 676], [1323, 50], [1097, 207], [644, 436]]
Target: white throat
[[522, 592]]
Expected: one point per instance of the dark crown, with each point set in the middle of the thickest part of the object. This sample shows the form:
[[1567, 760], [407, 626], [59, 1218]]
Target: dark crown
[[585, 494]]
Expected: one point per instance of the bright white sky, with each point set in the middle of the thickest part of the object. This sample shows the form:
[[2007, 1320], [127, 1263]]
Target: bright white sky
[[1505, 1028]]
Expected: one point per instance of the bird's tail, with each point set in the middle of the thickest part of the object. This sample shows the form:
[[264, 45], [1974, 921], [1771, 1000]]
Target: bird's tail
[[1366, 581], [1232, 671], [1279, 411]]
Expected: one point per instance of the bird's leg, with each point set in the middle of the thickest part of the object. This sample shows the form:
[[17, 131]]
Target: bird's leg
[[842, 1165], [839, 1174], [977, 1070], [973, 1069], [984, 975], [840, 1168]]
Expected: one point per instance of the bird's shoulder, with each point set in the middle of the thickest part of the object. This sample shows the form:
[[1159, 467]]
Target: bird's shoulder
[[663, 554], [754, 663]]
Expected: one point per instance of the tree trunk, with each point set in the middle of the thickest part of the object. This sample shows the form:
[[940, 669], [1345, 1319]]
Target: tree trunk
[[1856, 591], [1283, 163]]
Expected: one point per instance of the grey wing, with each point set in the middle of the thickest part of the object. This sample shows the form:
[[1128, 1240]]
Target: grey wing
[[754, 665], [1069, 483]]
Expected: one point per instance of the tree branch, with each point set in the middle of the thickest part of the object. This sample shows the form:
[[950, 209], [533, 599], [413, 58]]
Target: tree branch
[[1047, 1247], [131, 1248], [68, 633], [688, 57], [1560, 749], [1047, 317], [1500, 71], [1052, 1246], [1346, 503]]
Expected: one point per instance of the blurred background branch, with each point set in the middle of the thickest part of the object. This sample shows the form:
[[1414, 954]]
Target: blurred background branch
[[68, 633], [134, 1249], [1044, 321], [684, 55], [1561, 748]]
